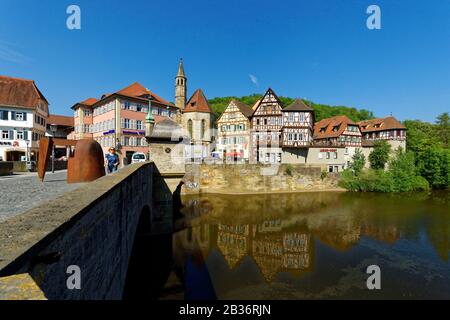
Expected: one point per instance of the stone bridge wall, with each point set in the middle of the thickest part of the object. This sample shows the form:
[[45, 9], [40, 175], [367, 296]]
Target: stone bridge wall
[[92, 227], [257, 178]]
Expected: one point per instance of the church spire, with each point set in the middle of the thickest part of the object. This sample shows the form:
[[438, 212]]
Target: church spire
[[181, 69], [180, 87]]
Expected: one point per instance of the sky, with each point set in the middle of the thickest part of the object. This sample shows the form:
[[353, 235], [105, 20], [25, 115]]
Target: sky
[[320, 50]]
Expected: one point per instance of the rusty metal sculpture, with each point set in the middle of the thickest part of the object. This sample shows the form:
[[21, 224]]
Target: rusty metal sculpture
[[85, 163]]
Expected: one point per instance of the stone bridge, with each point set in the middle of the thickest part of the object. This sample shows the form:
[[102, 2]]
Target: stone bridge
[[93, 229]]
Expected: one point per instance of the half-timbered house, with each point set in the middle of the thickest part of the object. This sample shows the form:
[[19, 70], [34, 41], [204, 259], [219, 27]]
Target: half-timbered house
[[388, 128], [335, 142], [234, 131], [267, 123], [298, 124]]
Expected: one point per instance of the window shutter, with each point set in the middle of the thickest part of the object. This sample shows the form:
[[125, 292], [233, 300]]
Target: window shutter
[[25, 135], [11, 134], [13, 115], [24, 116]]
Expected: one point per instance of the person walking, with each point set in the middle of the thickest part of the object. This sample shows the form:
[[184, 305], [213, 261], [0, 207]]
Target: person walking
[[111, 160]]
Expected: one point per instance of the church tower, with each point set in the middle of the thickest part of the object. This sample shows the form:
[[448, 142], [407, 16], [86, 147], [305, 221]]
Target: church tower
[[180, 87]]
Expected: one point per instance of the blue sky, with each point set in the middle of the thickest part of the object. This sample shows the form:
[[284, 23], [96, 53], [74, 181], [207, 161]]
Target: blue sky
[[320, 50]]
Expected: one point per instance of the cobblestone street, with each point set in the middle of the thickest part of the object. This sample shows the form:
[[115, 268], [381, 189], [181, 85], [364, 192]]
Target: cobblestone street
[[21, 192]]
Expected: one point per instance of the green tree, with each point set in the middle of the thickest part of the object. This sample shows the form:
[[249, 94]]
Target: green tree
[[434, 165], [358, 162], [443, 128], [404, 175], [379, 155], [322, 111]]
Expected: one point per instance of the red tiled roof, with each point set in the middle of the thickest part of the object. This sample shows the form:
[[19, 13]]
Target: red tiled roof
[[380, 124], [60, 120], [198, 103], [137, 90], [19, 92], [89, 101], [324, 128]]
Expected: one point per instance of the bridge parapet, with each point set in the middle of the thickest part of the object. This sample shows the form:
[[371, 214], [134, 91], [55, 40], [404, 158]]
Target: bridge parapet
[[92, 228]]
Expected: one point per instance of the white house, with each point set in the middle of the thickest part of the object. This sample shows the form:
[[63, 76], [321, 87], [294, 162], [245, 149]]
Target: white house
[[23, 119]]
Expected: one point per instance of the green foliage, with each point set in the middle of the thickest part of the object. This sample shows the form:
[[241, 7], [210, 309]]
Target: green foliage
[[322, 111], [367, 181], [430, 144], [434, 165], [419, 135], [404, 174], [323, 175], [400, 177], [380, 155], [358, 162], [290, 170], [443, 128]]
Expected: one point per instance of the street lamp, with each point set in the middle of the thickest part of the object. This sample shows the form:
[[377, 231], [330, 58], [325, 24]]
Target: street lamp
[[53, 128], [28, 151]]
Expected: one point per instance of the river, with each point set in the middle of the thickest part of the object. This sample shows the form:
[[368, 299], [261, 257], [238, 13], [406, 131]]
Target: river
[[311, 246]]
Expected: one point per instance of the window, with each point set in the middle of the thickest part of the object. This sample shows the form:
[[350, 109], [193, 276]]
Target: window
[[335, 155], [127, 105], [5, 135], [291, 117], [139, 107], [257, 122], [3, 115], [126, 141], [127, 123], [190, 127], [302, 117], [139, 124], [346, 150], [320, 155], [203, 128], [328, 155], [20, 116]]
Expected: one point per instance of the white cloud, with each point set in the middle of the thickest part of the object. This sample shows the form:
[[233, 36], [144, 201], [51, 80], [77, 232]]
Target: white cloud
[[10, 54], [253, 79]]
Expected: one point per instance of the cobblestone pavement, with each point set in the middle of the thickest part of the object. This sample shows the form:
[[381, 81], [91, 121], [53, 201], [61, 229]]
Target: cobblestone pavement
[[21, 192]]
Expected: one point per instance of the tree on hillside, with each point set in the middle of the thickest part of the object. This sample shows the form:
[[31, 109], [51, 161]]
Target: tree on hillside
[[358, 162], [443, 128], [379, 155], [322, 111]]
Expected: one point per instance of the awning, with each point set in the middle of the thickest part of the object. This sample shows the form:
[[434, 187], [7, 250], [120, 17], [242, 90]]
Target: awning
[[234, 154]]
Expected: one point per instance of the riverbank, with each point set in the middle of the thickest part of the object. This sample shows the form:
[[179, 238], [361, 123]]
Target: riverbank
[[258, 179], [240, 193]]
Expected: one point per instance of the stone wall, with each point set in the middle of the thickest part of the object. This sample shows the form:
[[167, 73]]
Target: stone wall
[[92, 227], [6, 168], [257, 178]]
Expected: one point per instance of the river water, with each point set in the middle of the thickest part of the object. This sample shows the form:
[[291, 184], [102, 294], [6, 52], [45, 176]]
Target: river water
[[311, 246]]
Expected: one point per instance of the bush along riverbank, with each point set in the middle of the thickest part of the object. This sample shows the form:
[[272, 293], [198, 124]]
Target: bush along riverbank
[[401, 174]]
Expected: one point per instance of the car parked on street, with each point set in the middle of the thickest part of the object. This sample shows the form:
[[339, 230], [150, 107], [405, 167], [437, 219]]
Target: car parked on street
[[138, 157]]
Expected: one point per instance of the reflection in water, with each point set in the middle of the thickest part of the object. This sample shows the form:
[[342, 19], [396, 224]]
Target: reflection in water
[[311, 245]]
